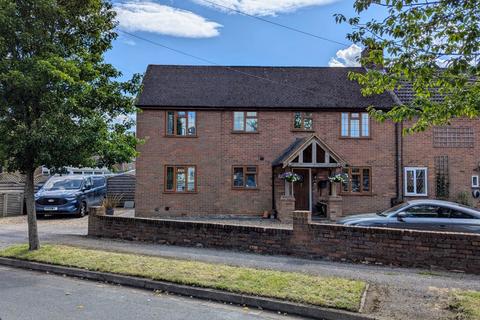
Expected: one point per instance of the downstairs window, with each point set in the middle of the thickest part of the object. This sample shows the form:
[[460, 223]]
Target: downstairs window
[[180, 179]]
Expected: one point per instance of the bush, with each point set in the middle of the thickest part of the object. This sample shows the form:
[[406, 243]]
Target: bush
[[463, 197]]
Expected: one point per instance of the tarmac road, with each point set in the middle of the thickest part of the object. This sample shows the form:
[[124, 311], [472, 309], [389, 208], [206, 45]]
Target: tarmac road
[[26, 295]]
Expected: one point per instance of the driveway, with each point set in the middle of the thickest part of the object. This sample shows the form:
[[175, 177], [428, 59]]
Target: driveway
[[396, 293]]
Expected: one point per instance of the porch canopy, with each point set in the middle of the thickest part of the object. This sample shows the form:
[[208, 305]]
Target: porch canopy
[[309, 152]]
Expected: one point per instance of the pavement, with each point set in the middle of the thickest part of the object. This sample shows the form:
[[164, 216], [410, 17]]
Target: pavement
[[38, 296], [395, 293]]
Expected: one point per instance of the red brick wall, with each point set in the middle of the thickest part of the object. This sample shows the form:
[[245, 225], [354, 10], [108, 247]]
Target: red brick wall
[[216, 149], [419, 151], [451, 251]]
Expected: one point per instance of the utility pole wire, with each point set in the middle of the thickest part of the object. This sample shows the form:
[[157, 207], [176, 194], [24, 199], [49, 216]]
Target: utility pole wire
[[214, 63], [275, 23]]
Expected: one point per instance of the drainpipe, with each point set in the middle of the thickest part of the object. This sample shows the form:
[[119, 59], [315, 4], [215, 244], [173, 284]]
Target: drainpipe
[[398, 156], [274, 205], [395, 200]]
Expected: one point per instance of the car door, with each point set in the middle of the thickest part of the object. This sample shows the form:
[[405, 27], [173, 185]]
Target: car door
[[463, 222], [89, 192], [422, 217]]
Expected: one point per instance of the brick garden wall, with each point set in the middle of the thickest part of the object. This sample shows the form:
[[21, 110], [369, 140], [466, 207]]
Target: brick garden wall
[[408, 248]]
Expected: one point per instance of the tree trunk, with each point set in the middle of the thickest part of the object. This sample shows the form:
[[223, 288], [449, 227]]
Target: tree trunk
[[33, 242]]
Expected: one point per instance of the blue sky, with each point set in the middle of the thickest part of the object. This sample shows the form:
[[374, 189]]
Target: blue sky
[[214, 33]]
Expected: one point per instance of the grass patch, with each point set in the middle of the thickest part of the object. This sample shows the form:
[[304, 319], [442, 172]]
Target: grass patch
[[330, 292], [431, 274], [466, 304]]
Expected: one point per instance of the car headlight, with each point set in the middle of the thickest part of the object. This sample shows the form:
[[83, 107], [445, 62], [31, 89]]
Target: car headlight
[[71, 198]]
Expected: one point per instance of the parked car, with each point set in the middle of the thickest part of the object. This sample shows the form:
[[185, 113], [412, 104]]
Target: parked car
[[72, 194], [433, 215]]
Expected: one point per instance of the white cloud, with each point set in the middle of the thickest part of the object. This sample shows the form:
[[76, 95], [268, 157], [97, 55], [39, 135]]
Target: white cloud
[[263, 7], [346, 57], [153, 17]]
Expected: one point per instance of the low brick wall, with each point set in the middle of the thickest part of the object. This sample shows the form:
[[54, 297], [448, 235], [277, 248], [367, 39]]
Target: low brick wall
[[408, 248], [185, 233]]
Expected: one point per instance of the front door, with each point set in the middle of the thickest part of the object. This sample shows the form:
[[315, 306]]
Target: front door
[[301, 190]]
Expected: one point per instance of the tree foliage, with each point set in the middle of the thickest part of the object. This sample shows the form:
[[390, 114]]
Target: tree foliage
[[60, 102], [434, 46]]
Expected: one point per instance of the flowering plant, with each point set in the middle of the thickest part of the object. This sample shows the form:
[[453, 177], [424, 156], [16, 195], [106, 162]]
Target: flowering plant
[[339, 177], [290, 177]]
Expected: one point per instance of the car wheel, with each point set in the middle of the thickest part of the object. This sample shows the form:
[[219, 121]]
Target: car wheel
[[83, 210]]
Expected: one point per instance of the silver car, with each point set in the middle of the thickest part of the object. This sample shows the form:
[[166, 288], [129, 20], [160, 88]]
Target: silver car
[[435, 215]]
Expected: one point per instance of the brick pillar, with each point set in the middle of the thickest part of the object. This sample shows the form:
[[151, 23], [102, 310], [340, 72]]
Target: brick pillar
[[301, 218], [285, 209], [92, 219], [301, 230], [334, 208]]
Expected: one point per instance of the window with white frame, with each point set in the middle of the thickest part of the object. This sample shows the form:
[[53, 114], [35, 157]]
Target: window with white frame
[[475, 182], [416, 181], [355, 125]]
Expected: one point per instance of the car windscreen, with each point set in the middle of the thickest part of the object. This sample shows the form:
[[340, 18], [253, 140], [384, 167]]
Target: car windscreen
[[392, 209], [63, 184]]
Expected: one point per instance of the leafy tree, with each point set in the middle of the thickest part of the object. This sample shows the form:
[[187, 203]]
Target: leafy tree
[[60, 102], [432, 45]]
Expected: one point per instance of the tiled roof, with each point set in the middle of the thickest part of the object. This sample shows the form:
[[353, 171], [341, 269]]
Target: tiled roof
[[288, 151], [406, 94], [167, 86]]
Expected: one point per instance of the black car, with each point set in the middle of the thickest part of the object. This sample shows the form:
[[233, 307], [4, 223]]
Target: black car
[[72, 194], [433, 215]]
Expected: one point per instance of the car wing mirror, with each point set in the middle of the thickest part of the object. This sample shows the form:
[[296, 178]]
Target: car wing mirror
[[401, 216]]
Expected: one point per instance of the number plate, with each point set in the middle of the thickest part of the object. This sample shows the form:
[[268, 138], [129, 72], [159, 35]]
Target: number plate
[[50, 208]]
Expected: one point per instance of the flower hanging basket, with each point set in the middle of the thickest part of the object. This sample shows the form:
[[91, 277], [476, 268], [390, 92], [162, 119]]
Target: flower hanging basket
[[291, 177], [339, 177]]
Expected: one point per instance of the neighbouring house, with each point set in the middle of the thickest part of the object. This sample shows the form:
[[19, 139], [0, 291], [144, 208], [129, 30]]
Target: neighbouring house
[[217, 140]]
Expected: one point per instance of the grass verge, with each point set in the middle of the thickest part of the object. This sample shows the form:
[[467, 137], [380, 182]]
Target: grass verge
[[466, 304], [329, 292]]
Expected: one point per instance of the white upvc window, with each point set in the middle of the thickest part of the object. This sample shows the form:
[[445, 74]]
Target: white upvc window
[[416, 181], [475, 182]]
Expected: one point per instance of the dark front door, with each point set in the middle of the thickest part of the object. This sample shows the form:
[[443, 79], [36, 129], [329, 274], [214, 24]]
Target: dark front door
[[301, 190]]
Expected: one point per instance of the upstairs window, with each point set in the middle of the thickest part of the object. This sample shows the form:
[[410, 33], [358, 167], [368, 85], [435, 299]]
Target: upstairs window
[[415, 181], [245, 121], [181, 123], [180, 179], [355, 125], [303, 121], [244, 177], [359, 180]]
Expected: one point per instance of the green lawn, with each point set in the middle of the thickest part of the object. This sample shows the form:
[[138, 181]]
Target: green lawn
[[322, 291], [466, 304]]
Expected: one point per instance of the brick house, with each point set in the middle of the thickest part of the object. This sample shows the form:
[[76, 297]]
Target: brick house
[[217, 139]]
